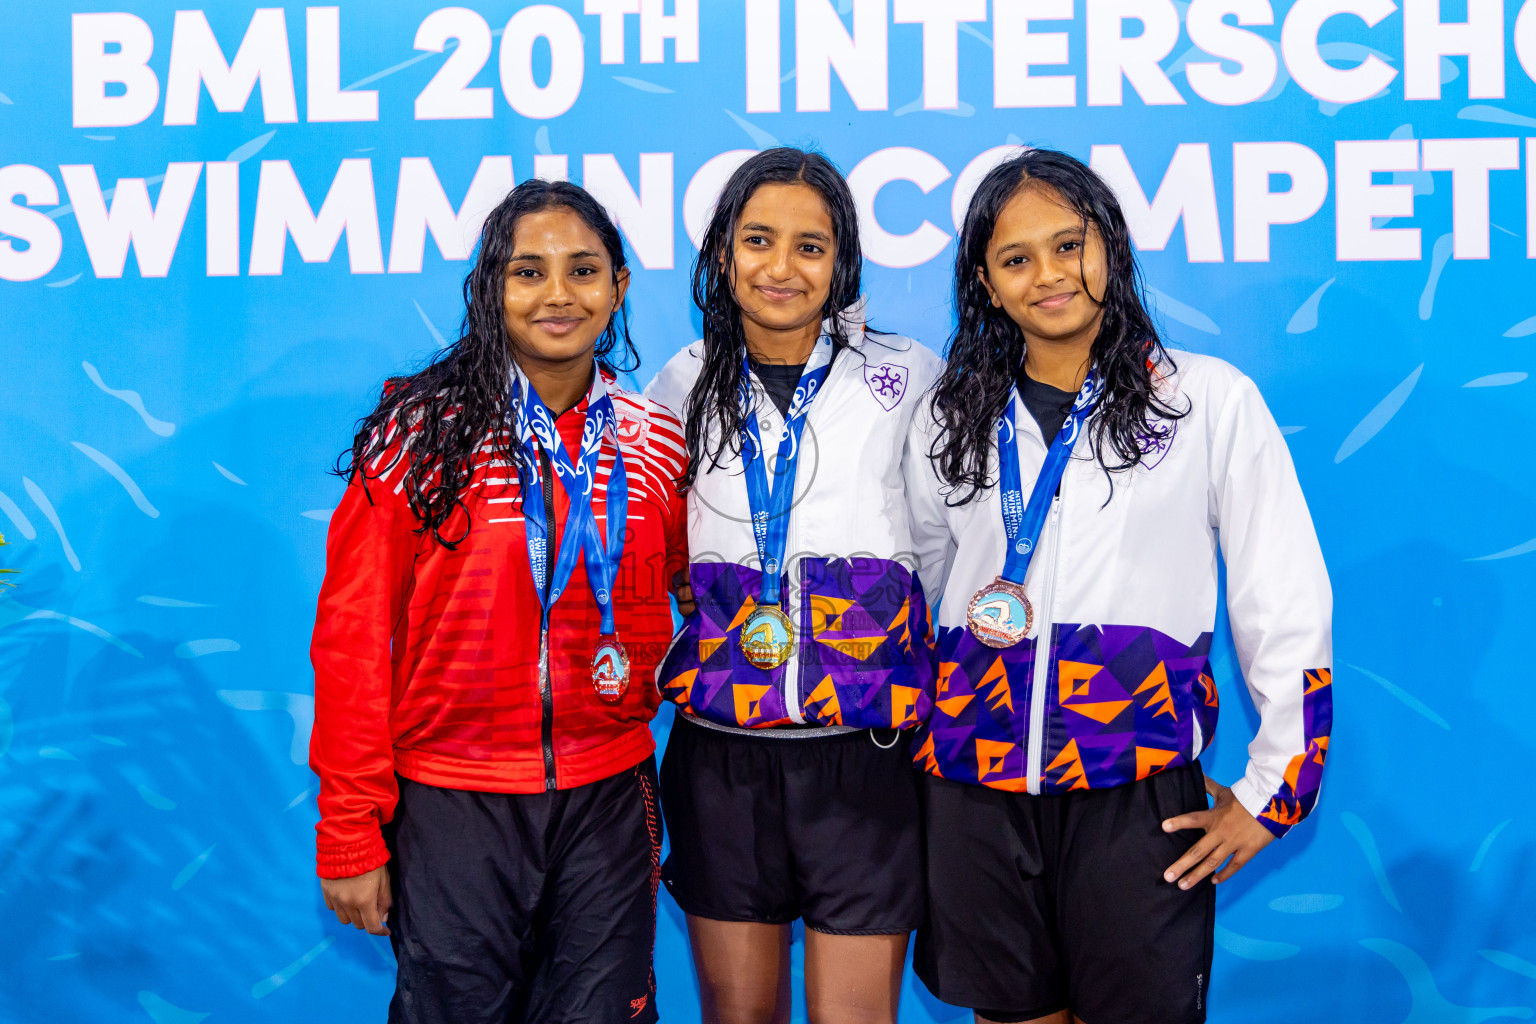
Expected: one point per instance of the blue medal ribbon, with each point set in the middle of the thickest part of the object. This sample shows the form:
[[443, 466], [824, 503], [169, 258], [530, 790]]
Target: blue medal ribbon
[[770, 504], [1022, 522], [535, 427], [603, 559]]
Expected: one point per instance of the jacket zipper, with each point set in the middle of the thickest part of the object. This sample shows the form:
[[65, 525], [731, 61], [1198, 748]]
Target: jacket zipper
[[1044, 653], [546, 690], [792, 666], [792, 608], [793, 604]]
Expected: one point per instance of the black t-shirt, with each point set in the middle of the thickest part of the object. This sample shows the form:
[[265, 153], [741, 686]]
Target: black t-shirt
[[780, 380], [1048, 405]]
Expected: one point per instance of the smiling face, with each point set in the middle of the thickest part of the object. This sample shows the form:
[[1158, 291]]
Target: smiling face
[[1045, 268], [783, 254], [560, 290]]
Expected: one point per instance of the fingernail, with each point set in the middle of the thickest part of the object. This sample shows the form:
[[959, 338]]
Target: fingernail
[[1167, 826], [1168, 877]]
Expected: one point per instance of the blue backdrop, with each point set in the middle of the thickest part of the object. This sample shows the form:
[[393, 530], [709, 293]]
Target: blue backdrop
[[166, 423]]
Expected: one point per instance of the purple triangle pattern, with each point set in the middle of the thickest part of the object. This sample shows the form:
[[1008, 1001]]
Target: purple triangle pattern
[[889, 612], [885, 607], [722, 590], [1304, 775], [1151, 732]]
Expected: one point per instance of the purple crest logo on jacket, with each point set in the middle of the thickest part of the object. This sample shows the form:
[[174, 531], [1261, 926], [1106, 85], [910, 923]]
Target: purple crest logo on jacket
[[887, 382]]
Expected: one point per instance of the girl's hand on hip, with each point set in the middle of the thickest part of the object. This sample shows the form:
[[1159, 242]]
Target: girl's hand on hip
[[1232, 837]]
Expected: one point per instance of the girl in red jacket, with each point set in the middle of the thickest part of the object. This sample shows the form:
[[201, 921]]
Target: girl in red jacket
[[493, 607]]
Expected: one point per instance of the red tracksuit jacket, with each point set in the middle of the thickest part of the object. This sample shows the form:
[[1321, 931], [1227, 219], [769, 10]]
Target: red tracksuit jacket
[[426, 658]]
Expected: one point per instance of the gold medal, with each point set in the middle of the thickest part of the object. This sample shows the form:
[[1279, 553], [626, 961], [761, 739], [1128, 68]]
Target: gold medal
[[767, 637]]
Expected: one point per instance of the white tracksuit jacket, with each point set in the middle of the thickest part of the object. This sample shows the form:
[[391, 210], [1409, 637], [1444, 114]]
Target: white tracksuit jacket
[[864, 655], [1114, 682]]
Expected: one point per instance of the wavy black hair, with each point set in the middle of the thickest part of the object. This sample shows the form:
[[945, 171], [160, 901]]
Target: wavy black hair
[[714, 402], [436, 418], [987, 348]]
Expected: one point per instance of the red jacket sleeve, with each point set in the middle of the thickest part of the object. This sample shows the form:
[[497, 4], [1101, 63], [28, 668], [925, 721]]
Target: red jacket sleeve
[[369, 556], [668, 447], [677, 534]]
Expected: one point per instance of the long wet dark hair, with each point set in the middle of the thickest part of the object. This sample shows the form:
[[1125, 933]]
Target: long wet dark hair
[[988, 348], [436, 418], [714, 403]]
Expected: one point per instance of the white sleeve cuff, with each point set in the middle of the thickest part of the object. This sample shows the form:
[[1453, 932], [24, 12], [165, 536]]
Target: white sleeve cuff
[[1249, 793]]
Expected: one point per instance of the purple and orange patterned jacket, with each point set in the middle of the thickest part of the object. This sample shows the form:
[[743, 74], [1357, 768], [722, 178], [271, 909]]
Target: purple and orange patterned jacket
[[1114, 681], [864, 653]]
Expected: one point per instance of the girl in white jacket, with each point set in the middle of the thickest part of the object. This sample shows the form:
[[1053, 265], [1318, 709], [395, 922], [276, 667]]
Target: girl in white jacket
[[1072, 484], [787, 783]]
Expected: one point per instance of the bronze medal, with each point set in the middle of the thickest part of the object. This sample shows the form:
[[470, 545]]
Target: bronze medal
[[1000, 614], [610, 669]]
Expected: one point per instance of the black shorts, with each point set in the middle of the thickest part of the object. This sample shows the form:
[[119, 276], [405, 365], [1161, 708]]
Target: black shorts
[[768, 829], [1043, 903], [526, 907]]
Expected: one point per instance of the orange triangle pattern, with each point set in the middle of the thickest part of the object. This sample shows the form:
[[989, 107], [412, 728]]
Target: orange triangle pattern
[[1075, 676], [1001, 695], [747, 608], [1151, 759], [707, 648], [825, 694], [1283, 812], [1072, 761], [926, 759], [827, 612], [1103, 711], [904, 705], [748, 697], [1157, 682], [946, 669], [1208, 686], [952, 706], [1317, 679], [1293, 771], [680, 688], [989, 756]]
